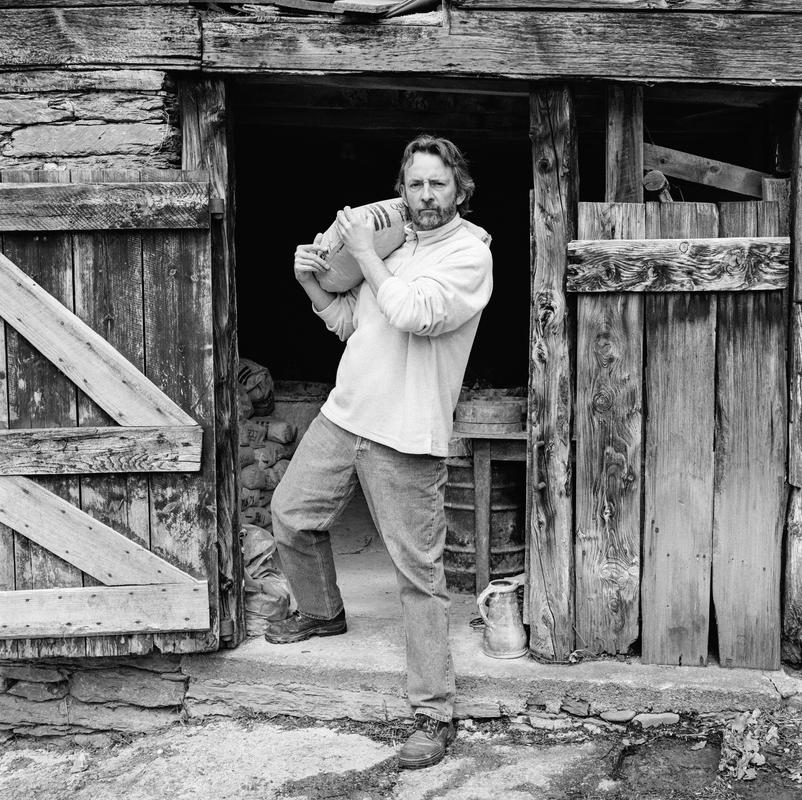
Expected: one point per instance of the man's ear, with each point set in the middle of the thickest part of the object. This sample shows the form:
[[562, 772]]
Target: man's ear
[[460, 198]]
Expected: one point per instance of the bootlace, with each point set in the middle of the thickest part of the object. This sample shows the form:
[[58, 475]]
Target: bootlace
[[426, 724]]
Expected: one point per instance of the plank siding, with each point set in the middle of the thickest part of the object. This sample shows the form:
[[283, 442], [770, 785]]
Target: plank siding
[[724, 6], [40, 396], [792, 581], [750, 490], [178, 357], [678, 474], [608, 459], [556, 186]]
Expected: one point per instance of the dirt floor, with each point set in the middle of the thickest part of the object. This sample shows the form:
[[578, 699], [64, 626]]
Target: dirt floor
[[253, 758]]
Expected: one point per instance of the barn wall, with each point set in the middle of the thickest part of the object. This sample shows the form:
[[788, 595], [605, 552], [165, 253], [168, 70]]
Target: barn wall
[[92, 119]]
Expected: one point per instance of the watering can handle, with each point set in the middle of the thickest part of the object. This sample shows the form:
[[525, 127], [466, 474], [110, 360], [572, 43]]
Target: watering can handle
[[481, 601]]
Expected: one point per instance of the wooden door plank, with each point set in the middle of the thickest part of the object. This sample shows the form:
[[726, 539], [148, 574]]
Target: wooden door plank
[[556, 179], [109, 298], [40, 396], [84, 542], [792, 583], [706, 171], [753, 6], [6, 534], [179, 348], [98, 610], [206, 145], [81, 354], [732, 264], [750, 491], [678, 480], [104, 206], [74, 451], [481, 486], [608, 460], [624, 143]]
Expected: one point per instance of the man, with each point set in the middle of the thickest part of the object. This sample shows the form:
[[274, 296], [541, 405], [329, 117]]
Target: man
[[409, 328]]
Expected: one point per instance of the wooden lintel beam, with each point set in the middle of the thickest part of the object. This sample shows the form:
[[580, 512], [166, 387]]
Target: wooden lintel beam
[[79, 539], [722, 6], [83, 451], [679, 265], [707, 171], [103, 206], [100, 610]]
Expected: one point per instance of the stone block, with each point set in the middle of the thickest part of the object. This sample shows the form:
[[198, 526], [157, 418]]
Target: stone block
[[126, 685], [130, 719], [25, 672], [653, 720], [577, 708], [39, 692], [618, 716], [21, 711]]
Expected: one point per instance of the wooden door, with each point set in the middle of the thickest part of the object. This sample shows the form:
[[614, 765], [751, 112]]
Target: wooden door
[[106, 396], [680, 429]]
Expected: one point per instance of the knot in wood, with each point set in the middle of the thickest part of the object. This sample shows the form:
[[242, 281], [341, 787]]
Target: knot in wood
[[602, 401], [684, 247], [543, 164]]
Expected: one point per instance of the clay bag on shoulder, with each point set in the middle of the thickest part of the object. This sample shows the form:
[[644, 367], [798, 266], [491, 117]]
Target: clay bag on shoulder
[[389, 218]]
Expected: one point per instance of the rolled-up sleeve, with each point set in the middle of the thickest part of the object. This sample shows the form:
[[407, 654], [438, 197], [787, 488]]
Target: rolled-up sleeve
[[339, 314], [443, 298]]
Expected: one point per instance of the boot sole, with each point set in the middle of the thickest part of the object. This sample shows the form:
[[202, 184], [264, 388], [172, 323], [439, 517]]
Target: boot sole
[[333, 630]]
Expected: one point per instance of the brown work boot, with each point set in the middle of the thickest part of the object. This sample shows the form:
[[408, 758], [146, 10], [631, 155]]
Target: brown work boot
[[298, 627], [428, 743]]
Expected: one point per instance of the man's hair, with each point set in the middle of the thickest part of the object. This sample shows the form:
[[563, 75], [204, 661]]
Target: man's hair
[[450, 155]]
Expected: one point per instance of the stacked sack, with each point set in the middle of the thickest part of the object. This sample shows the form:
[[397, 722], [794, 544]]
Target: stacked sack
[[265, 448]]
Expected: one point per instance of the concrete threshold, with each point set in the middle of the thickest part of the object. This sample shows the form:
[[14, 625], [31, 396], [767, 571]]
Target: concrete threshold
[[361, 674]]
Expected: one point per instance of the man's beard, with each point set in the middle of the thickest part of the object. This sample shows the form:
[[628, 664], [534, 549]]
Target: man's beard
[[427, 219]]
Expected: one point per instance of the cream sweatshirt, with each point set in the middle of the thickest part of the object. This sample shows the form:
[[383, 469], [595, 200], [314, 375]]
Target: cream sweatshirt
[[407, 347]]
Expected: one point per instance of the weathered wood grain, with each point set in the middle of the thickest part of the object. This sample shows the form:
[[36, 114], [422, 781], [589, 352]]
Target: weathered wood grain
[[678, 475], [74, 451], [41, 397], [624, 145], [83, 3], [106, 206], [754, 6], [750, 491], [795, 310], [748, 48], [792, 581], [97, 610], [556, 177], [62, 528], [608, 458], [6, 534], [109, 298], [207, 137], [706, 171], [81, 354], [179, 347], [778, 190], [152, 36], [481, 483], [731, 264]]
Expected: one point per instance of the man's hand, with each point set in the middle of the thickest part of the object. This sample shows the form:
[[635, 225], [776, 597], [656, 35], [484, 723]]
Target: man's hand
[[309, 262], [356, 230]]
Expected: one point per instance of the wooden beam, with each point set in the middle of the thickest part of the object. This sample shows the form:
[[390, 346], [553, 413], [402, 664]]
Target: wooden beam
[[73, 451], [678, 456], [98, 610], [55, 80], [679, 265], [79, 539], [556, 188], [107, 206], [85, 357], [557, 45], [150, 36], [723, 6], [706, 171], [207, 138], [792, 581], [624, 160], [750, 492]]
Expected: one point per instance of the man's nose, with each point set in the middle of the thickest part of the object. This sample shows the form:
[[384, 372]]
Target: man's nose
[[426, 193]]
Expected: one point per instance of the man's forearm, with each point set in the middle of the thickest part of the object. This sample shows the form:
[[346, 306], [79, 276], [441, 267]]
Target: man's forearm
[[321, 299], [373, 268]]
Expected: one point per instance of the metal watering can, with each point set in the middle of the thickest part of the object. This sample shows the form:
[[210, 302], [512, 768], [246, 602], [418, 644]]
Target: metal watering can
[[504, 635]]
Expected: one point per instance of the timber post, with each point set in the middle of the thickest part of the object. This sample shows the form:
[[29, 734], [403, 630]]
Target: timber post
[[556, 188], [205, 127]]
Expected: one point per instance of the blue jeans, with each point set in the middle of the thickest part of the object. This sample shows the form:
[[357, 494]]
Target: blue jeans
[[405, 495]]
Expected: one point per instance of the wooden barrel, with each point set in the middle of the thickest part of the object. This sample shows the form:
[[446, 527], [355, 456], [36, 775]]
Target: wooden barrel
[[507, 501], [489, 414]]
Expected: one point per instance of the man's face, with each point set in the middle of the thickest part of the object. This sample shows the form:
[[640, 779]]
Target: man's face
[[430, 192]]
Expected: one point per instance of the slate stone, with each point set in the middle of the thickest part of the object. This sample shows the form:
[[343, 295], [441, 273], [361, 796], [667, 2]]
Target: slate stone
[[653, 720], [23, 672], [39, 692], [126, 685]]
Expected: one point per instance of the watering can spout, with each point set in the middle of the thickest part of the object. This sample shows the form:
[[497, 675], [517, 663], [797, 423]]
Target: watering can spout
[[504, 635]]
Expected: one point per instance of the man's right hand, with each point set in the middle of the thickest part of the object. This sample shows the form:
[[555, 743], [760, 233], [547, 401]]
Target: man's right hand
[[309, 262]]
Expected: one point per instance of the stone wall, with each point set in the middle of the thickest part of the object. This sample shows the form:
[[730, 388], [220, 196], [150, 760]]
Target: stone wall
[[85, 696], [122, 119]]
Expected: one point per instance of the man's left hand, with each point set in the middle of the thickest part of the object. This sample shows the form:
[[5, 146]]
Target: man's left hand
[[356, 231]]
